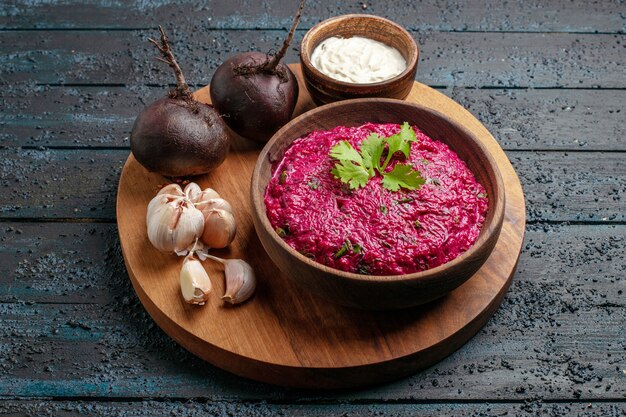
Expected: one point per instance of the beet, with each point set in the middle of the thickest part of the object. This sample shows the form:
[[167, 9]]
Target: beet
[[255, 93], [177, 135]]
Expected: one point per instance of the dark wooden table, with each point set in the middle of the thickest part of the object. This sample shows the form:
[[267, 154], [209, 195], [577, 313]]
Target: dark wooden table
[[547, 78]]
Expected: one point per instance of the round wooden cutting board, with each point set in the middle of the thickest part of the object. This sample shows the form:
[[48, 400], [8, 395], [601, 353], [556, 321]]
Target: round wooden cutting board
[[284, 335]]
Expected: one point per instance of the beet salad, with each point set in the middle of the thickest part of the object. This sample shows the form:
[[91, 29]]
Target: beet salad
[[378, 199]]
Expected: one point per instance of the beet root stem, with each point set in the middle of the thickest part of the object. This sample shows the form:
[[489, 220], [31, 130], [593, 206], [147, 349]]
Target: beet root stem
[[270, 66], [182, 89]]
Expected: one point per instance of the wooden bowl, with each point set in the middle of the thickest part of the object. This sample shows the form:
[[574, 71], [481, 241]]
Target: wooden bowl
[[325, 89], [367, 291]]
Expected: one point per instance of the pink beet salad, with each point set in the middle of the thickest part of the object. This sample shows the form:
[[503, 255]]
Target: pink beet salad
[[423, 213]]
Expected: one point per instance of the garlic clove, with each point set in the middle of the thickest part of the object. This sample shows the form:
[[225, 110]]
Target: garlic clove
[[172, 189], [206, 194], [219, 228], [158, 221], [240, 279], [192, 191], [215, 203], [160, 200], [195, 284], [173, 223], [189, 227]]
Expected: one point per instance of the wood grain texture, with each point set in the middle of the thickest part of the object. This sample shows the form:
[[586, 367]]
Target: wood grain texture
[[474, 15], [75, 184], [70, 307], [195, 408], [520, 119], [72, 327], [276, 341], [81, 263], [446, 59]]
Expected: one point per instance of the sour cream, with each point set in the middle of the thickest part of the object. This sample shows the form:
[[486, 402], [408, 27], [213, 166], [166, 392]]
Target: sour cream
[[357, 60]]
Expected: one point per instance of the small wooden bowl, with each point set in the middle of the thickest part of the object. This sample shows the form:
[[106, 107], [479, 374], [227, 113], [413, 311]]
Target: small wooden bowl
[[367, 291], [325, 89]]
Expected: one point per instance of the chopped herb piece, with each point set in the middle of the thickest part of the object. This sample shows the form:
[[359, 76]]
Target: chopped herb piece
[[405, 200], [347, 247], [314, 183], [363, 269], [418, 224], [307, 254], [342, 251], [355, 168], [283, 176], [383, 209], [482, 195], [282, 231]]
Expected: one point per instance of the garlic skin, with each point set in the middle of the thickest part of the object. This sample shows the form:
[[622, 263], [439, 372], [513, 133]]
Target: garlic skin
[[195, 284], [215, 203], [192, 191], [219, 228], [173, 223], [206, 194], [172, 189], [240, 279]]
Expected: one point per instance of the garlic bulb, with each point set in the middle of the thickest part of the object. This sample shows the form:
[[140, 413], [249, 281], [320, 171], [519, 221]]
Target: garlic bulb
[[214, 203], [195, 283], [240, 279], [173, 223], [219, 228]]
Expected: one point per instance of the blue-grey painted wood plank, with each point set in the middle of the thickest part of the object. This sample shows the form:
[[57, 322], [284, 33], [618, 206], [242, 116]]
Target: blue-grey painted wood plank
[[79, 263], [72, 326], [540, 350], [559, 186], [519, 119], [446, 59], [72, 116], [191, 408], [481, 15]]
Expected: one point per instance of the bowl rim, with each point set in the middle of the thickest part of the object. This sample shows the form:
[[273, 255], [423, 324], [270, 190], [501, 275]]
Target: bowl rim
[[306, 60], [258, 200]]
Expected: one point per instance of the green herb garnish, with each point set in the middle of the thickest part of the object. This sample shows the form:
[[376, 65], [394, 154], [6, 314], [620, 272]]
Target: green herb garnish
[[283, 176], [355, 168], [383, 209]]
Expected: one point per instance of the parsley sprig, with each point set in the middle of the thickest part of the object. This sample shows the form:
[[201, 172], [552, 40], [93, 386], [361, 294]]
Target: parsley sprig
[[355, 168]]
